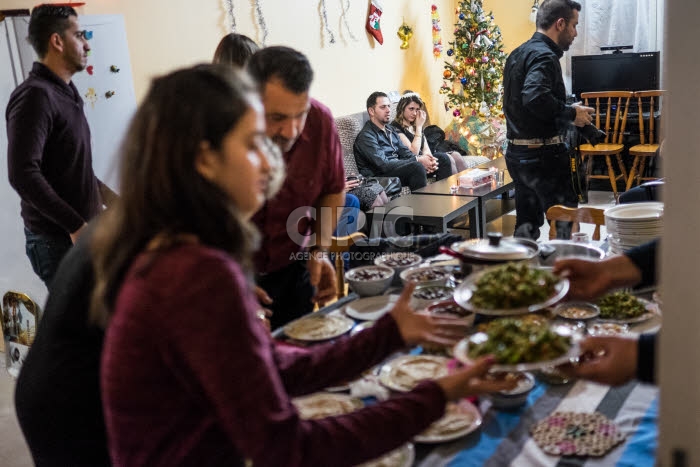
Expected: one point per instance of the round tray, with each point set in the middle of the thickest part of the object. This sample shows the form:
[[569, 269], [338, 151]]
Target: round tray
[[461, 352], [463, 295]]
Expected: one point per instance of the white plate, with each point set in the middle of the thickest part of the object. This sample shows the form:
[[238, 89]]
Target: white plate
[[461, 352], [635, 211], [609, 329], [463, 295], [311, 328], [326, 404], [653, 311], [401, 457], [370, 308], [462, 409], [388, 373]]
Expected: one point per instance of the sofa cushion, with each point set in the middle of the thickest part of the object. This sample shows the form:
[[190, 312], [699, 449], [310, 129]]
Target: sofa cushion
[[349, 127]]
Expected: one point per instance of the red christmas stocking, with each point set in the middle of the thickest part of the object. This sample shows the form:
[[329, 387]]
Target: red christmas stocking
[[373, 27]]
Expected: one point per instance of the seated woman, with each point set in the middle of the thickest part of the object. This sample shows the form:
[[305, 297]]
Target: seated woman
[[189, 375], [409, 122]]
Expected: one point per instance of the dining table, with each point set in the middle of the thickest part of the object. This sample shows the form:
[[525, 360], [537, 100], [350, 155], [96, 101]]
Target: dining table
[[504, 436]]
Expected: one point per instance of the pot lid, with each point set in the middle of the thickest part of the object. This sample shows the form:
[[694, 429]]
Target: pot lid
[[496, 248]]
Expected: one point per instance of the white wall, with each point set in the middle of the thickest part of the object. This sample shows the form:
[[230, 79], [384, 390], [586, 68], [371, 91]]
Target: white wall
[[680, 352]]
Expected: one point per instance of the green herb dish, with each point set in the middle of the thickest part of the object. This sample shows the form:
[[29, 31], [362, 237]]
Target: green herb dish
[[514, 341], [621, 306], [513, 285]]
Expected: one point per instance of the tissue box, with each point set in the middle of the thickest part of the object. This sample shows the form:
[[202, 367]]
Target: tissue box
[[477, 177]]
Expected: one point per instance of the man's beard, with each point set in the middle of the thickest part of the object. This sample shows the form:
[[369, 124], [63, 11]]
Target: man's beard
[[285, 144]]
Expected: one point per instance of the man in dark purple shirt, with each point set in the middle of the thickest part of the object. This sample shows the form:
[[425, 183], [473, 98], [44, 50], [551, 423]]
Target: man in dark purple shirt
[[304, 130], [48, 154]]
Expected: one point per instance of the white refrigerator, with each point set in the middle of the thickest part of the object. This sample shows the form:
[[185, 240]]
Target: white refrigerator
[[108, 91]]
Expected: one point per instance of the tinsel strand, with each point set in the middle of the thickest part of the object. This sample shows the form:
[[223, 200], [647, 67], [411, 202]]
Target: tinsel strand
[[346, 6], [228, 5], [261, 22], [324, 12]]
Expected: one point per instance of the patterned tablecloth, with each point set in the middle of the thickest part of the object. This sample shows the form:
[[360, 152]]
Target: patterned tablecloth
[[504, 436]]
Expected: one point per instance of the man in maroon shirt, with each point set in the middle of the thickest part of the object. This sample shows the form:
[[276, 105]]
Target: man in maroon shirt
[[48, 153], [305, 131]]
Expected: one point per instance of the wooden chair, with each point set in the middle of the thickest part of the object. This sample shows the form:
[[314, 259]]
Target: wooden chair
[[576, 215], [648, 146], [340, 245], [615, 122]]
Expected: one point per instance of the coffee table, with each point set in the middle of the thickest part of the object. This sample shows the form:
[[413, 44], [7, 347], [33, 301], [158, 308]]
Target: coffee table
[[483, 194], [436, 211]]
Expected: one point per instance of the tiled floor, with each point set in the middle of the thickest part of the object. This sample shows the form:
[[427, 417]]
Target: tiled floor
[[13, 449]]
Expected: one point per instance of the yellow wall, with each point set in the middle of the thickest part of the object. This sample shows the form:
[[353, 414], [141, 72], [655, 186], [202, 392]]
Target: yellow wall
[[513, 17], [165, 34]]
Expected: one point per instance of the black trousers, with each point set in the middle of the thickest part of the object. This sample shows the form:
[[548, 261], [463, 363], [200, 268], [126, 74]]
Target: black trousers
[[542, 178], [444, 165], [290, 291], [411, 173]]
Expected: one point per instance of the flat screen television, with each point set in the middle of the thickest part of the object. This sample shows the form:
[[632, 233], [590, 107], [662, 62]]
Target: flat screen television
[[615, 72]]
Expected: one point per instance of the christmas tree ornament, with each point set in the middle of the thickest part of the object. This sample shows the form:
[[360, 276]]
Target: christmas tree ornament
[[405, 33], [457, 113], [344, 17], [373, 27], [324, 21], [463, 81], [450, 52], [447, 74], [228, 7], [437, 40], [261, 22], [461, 16]]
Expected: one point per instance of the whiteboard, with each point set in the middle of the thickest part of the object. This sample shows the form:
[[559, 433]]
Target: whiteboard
[[108, 119]]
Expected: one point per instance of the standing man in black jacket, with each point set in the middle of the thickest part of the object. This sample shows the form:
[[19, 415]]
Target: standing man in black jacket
[[537, 117]]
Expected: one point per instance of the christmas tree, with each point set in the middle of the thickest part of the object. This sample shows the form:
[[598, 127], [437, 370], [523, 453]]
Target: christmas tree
[[473, 81]]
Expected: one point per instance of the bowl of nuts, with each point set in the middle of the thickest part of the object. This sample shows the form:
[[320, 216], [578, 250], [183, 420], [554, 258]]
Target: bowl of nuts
[[426, 275], [399, 262], [425, 295], [579, 311], [367, 281]]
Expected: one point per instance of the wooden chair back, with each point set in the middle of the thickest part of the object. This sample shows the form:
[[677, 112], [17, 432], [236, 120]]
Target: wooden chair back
[[340, 245], [653, 98], [615, 119], [586, 215]]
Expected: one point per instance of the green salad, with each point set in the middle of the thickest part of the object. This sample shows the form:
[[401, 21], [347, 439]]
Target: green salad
[[513, 285], [620, 305], [519, 340]]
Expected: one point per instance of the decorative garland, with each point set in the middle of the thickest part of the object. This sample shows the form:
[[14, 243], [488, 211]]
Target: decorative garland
[[346, 6], [261, 22], [437, 40], [324, 20], [228, 6]]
